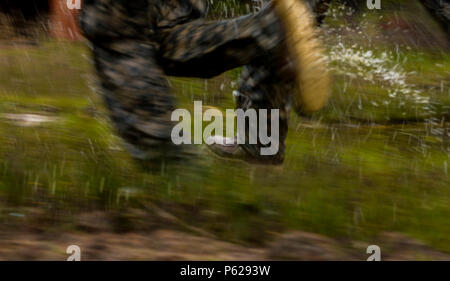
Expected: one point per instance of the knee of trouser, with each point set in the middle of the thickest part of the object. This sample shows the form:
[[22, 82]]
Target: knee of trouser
[[106, 19], [93, 19]]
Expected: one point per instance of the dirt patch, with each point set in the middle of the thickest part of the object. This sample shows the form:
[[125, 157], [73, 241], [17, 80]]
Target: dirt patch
[[170, 245], [157, 245]]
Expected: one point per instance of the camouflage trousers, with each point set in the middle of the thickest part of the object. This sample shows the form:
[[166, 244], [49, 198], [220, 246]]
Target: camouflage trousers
[[134, 60]]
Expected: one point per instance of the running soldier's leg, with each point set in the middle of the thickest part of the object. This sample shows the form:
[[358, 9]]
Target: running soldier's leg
[[204, 49], [132, 83], [137, 95]]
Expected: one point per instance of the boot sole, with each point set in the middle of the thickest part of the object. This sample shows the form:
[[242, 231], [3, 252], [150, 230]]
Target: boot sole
[[312, 79]]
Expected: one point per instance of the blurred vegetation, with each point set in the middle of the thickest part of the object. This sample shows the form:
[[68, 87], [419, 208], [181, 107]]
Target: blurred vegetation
[[370, 162]]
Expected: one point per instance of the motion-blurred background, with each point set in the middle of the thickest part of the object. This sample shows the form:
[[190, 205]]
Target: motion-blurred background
[[371, 168]]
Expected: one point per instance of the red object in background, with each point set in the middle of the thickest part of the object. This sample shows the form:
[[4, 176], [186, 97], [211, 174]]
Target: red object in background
[[64, 21]]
